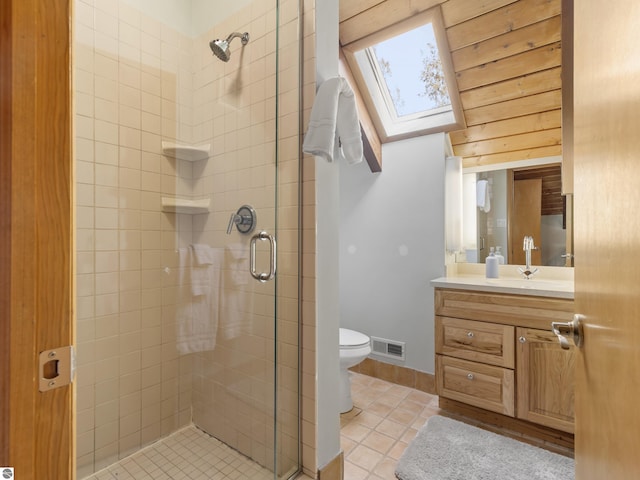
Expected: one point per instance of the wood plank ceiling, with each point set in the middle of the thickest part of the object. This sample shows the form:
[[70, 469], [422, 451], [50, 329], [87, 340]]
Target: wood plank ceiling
[[507, 59]]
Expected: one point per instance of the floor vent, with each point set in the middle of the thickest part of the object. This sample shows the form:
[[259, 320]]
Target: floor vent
[[387, 348]]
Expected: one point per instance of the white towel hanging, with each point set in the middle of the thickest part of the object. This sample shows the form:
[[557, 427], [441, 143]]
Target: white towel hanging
[[483, 195], [334, 127]]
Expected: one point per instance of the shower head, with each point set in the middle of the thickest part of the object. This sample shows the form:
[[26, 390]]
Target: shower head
[[220, 48]]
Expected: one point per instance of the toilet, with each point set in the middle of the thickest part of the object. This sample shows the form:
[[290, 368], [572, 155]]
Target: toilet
[[354, 348]]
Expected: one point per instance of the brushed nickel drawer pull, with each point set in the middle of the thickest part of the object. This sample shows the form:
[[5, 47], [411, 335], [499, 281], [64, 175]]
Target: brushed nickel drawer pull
[[470, 376], [470, 334], [522, 339]]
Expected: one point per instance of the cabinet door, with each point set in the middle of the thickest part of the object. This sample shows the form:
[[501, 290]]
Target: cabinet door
[[545, 378]]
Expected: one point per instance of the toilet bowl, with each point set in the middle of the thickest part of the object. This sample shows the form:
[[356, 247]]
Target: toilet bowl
[[354, 348]]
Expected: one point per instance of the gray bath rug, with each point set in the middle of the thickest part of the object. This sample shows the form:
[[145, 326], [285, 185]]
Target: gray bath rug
[[447, 449]]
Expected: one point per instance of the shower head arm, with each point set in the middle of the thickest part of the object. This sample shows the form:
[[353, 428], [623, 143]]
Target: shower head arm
[[243, 36]]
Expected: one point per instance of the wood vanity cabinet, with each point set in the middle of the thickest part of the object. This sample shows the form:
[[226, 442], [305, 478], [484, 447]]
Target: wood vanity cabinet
[[496, 352]]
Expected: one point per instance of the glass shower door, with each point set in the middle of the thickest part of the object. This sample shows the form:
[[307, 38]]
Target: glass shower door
[[175, 148], [245, 390]]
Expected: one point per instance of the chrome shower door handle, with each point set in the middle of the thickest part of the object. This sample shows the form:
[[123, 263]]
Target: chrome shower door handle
[[262, 277]]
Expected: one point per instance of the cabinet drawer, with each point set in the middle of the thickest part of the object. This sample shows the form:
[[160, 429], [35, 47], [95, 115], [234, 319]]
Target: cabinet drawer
[[478, 341], [518, 310], [484, 386]]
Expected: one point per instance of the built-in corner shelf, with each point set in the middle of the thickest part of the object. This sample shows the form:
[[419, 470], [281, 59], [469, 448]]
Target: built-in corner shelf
[[192, 153], [183, 205]]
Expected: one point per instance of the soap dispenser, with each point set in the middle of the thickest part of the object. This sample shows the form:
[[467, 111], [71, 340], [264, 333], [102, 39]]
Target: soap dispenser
[[499, 255], [491, 265]]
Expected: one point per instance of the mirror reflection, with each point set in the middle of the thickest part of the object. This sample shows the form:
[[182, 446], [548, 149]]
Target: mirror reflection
[[501, 207]]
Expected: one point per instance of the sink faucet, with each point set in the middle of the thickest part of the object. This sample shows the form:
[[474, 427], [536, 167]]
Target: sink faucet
[[527, 246]]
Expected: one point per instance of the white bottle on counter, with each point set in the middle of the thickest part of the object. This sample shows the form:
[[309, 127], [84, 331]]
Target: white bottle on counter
[[491, 265], [499, 255]]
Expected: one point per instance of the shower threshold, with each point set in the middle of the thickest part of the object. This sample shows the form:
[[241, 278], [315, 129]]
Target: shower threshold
[[188, 454]]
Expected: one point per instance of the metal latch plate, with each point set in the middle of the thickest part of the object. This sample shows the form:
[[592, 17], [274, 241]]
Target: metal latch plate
[[56, 368]]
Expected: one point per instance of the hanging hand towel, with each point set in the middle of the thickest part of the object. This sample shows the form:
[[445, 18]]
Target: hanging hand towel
[[203, 254], [334, 114], [236, 301], [201, 269], [197, 318], [483, 195]]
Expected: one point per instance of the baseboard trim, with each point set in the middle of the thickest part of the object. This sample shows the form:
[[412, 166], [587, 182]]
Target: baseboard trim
[[334, 470], [531, 433], [397, 374]]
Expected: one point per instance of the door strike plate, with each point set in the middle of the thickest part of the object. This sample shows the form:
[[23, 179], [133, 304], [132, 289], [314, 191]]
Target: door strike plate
[[56, 368]]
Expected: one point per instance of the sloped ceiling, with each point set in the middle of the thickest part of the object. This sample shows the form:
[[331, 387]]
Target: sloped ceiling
[[507, 59]]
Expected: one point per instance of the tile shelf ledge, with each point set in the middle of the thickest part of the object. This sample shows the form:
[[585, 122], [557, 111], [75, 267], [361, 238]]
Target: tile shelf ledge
[[183, 205], [191, 153]]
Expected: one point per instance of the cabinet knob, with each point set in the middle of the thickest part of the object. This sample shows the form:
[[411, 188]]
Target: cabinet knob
[[522, 339], [470, 334], [470, 376]]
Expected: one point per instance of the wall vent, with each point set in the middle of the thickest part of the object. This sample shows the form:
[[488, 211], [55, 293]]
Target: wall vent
[[387, 348]]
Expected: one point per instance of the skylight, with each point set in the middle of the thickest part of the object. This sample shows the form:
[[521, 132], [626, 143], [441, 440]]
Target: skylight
[[410, 86], [406, 79]]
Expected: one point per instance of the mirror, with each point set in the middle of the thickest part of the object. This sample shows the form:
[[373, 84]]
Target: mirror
[[501, 206]]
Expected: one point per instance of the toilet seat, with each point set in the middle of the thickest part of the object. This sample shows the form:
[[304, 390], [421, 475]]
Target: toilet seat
[[350, 339]]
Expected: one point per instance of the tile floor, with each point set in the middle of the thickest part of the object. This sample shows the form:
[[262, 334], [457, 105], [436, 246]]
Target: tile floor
[[385, 418], [188, 454]]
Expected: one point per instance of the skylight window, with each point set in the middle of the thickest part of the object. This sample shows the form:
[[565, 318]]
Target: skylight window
[[410, 87], [405, 75]]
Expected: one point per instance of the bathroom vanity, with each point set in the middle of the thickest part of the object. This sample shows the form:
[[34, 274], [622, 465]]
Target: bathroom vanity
[[497, 360]]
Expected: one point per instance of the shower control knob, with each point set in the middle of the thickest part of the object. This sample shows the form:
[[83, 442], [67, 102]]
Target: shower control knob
[[244, 220]]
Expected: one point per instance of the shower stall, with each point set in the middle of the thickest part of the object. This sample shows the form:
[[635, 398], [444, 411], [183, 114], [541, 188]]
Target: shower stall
[[187, 216]]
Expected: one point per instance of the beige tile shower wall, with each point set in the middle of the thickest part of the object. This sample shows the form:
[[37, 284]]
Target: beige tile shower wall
[[132, 89], [139, 82]]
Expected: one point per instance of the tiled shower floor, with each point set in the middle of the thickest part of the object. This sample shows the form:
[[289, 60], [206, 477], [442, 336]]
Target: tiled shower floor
[[188, 454]]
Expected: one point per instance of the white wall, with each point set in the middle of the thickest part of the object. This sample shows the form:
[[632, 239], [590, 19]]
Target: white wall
[[327, 271], [392, 245]]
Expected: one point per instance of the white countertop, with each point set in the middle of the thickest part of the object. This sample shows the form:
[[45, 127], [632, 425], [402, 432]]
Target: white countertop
[[554, 282]]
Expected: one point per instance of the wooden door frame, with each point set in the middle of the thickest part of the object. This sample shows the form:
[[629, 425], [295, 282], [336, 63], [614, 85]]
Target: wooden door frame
[[36, 233]]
